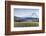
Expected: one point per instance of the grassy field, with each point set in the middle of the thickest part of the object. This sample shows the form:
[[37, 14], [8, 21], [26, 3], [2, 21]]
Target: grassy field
[[26, 24]]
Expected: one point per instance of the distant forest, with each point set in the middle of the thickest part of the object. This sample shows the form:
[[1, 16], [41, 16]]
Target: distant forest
[[22, 19]]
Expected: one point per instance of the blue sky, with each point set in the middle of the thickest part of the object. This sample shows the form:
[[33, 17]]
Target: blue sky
[[21, 12]]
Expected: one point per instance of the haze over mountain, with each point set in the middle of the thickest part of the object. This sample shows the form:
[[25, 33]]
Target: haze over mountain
[[21, 12]]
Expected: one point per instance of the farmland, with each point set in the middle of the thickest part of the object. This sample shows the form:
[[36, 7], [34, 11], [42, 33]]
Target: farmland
[[26, 24]]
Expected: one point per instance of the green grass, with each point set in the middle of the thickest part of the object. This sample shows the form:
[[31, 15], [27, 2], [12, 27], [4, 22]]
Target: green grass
[[26, 24]]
